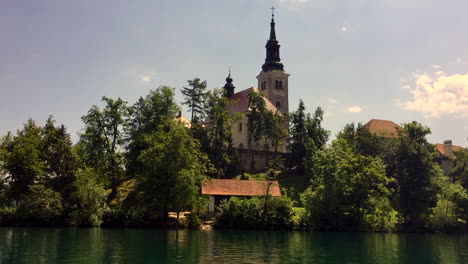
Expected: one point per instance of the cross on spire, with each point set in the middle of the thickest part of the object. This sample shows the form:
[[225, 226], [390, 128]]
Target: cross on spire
[[272, 12]]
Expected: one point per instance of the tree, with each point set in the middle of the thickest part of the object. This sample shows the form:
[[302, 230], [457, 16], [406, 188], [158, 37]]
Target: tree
[[216, 136], [103, 140], [307, 136], [460, 167], [347, 192], [57, 152], [88, 198], [195, 97], [276, 125], [41, 205], [174, 166], [150, 113], [415, 172], [22, 162]]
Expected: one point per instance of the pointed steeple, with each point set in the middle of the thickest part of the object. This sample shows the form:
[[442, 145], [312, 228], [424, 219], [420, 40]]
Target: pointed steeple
[[272, 60], [229, 87]]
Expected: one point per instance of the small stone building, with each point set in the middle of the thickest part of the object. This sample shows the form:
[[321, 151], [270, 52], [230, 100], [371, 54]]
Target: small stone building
[[219, 189]]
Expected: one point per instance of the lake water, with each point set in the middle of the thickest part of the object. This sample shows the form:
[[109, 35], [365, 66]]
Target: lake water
[[100, 245]]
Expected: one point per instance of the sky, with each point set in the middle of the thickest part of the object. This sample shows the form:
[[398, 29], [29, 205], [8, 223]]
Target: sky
[[396, 60]]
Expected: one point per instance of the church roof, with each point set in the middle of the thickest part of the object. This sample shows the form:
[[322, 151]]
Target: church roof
[[241, 102], [382, 128], [230, 187]]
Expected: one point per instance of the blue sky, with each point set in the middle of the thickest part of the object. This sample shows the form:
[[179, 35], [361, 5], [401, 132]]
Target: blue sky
[[358, 59]]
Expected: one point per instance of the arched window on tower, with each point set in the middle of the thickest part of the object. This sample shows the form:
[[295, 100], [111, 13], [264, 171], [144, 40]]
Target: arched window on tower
[[263, 85], [240, 127], [279, 84]]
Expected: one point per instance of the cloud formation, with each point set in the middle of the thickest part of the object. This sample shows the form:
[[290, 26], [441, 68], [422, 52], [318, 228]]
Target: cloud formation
[[443, 95], [354, 109], [332, 101]]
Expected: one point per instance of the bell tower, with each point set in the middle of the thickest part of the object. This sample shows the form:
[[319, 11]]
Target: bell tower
[[273, 80]]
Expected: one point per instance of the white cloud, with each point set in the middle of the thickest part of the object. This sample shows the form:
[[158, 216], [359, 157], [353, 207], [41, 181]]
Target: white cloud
[[461, 61], [406, 86], [354, 109], [443, 95], [332, 101], [145, 78], [344, 28], [436, 66]]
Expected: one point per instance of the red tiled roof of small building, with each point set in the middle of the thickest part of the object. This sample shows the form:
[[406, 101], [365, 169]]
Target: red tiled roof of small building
[[441, 149], [241, 102], [240, 187], [382, 128]]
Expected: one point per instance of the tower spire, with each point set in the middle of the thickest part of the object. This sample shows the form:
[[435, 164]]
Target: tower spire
[[272, 60], [229, 87]]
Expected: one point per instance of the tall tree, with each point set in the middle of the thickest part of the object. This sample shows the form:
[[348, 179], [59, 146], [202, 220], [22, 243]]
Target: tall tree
[[276, 129], [174, 166], [415, 173], [307, 136], [22, 162], [57, 152], [150, 113], [216, 135], [195, 98], [103, 140]]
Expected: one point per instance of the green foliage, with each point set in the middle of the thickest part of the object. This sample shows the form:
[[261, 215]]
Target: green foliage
[[40, 206], [450, 210], [251, 213], [256, 117], [195, 98], [173, 165], [61, 161], [216, 136], [103, 140], [276, 129], [460, 167], [347, 192], [89, 200], [22, 162], [415, 172], [307, 136], [150, 113]]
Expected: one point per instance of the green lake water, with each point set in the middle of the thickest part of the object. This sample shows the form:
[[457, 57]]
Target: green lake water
[[101, 245]]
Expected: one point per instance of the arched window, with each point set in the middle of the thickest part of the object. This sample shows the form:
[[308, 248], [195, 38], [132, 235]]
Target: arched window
[[241, 146], [240, 127], [263, 85], [278, 104]]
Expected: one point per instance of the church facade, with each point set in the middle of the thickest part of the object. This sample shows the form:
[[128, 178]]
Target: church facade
[[273, 84]]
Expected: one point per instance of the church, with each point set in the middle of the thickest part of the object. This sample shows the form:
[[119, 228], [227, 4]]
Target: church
[[273, 84]]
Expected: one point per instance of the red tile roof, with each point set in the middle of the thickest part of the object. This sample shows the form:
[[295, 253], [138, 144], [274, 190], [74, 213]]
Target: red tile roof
[[240, 187], [441, 150], [382, 128], [241, 102]]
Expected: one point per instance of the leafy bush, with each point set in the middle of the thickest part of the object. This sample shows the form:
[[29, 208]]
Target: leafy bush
[[256, 212], [89, 200], [41, 205]]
